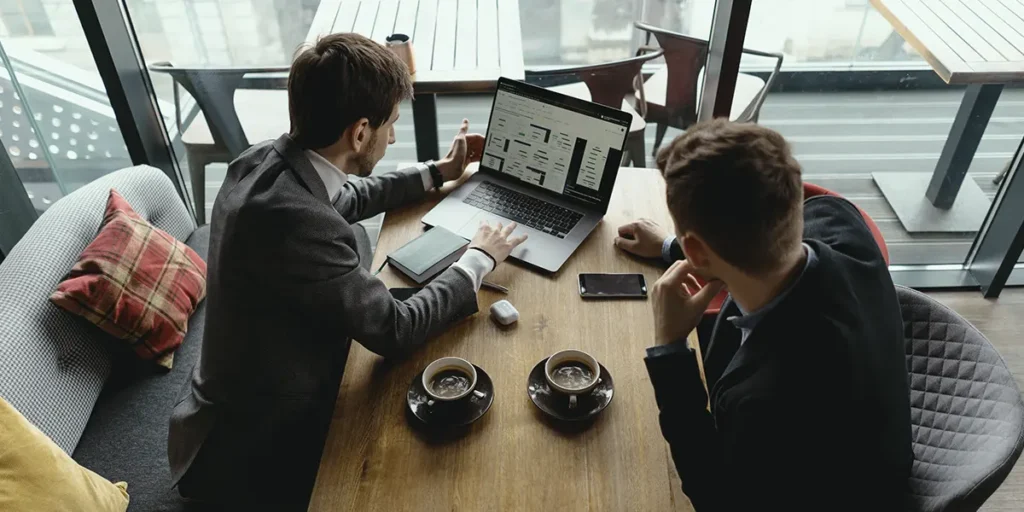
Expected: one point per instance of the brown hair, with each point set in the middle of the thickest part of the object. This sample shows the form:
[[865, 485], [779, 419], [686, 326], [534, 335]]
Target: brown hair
[[340, 80], [737, 186]]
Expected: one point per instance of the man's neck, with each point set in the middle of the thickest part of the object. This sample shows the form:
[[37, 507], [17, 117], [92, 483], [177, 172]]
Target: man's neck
[[752, 293], [336, 157]]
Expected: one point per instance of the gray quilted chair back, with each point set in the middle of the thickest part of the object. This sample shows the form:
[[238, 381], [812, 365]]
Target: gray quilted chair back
[[966, 409], [54, 364]]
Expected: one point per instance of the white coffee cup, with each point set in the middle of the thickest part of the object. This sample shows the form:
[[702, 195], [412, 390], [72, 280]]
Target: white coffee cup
[[449, 363], [559, 358]]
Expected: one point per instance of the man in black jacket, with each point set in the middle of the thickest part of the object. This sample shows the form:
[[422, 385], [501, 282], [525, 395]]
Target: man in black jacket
[[809, 401], [288, 284]]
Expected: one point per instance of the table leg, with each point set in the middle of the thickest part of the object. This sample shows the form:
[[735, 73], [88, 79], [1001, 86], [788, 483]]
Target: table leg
[[197, 173], [968, 127], [424, 118]]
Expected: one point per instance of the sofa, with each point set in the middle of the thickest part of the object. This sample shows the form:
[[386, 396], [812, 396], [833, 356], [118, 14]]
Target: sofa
[[73, 381]]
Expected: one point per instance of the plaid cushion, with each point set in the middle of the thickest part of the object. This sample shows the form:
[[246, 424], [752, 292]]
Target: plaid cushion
[[135, 282]]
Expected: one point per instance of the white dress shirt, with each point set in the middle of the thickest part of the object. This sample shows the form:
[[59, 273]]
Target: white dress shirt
[[473, 263]]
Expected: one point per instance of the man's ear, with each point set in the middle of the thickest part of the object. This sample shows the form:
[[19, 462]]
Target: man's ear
[[359, 134], [695, 250]]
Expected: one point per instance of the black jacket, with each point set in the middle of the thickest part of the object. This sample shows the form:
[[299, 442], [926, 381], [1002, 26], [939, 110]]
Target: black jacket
[[812, 412], [286, 293]]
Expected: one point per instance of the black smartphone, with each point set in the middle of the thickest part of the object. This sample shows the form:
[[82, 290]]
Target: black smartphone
[[403, 293], [613, 286]]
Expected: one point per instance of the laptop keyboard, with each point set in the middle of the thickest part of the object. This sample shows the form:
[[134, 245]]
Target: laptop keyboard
[[528, 210]]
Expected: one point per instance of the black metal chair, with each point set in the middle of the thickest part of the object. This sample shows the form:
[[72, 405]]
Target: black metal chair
[[672, 95], [221, 138], [612, 84], [966, 408]]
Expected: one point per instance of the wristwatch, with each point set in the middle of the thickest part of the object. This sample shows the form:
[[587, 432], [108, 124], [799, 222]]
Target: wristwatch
[[435, 173]]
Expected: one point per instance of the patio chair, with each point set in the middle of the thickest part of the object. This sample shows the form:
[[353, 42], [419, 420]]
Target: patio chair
[[673, 93], [220, 136], [612, 84]]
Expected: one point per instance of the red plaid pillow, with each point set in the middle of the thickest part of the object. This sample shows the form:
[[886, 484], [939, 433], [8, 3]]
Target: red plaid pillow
[[136, 282]]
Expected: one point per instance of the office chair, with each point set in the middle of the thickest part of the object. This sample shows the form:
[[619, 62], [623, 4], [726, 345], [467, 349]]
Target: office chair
[[966, 408]]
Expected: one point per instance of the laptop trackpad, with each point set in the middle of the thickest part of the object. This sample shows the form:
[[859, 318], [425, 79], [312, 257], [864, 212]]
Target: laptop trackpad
[[468, 230]]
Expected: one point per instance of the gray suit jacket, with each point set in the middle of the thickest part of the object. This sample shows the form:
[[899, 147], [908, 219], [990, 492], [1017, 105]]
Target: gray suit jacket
[[286, 293]]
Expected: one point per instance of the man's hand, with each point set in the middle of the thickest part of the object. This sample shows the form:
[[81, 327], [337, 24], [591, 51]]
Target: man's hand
[[642, 237], [496, 241], [466, 149], [679, 301]]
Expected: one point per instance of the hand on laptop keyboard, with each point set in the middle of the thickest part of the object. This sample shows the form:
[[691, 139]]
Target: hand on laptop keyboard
[[496, 241]]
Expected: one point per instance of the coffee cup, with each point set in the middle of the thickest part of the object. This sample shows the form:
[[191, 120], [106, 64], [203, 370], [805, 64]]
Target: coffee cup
[[572, 373], [449, 379], [401, 44]]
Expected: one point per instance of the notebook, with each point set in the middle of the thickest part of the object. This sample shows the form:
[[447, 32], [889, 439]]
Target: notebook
[[428, 254]]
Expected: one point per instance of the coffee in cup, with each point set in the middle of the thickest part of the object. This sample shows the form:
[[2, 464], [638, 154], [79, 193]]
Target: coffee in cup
[[449, 379], [573, 373]]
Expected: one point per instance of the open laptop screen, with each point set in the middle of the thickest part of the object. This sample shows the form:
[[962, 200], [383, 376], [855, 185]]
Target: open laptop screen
[[563, 144]]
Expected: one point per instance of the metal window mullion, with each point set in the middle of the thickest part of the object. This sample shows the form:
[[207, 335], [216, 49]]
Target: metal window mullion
[[121, 66], [728, 30], [1000, 240]]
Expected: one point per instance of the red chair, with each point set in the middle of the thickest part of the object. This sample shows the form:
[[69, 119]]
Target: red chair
[[811, 190]]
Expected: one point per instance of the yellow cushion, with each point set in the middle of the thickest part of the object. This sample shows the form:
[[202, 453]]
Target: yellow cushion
[[35, 474]]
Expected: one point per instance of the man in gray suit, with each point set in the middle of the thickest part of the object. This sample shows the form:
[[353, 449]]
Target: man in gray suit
[[286, 287]]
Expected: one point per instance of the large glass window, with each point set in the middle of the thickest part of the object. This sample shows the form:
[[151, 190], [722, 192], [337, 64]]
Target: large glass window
[[56, 123], [24, 18], [214, 34], [262, 33], [813, 34], [868, 118]]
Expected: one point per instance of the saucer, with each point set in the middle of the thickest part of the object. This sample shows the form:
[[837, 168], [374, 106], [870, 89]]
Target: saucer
[[445, 414], [556, 404]]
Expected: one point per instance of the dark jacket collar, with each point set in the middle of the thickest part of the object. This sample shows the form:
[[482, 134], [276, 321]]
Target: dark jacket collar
[[292, 153], [727, 361]]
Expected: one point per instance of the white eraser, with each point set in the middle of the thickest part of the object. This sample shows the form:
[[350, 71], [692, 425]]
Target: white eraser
[[504, 312]]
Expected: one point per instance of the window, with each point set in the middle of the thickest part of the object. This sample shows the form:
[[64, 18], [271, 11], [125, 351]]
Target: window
[[25, 18], [56, 123]]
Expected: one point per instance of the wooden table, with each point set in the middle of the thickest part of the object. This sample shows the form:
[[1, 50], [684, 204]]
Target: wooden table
[[459, 45], [978, 43], [512, 459]]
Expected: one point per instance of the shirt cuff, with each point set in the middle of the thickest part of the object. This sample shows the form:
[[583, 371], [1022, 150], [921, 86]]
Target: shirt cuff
[[666, 249], [475, 265], [428, 180]]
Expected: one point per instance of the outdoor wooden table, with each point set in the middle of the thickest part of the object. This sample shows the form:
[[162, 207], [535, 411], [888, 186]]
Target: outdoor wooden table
[[512, 458], [460, 46], [978, 43]]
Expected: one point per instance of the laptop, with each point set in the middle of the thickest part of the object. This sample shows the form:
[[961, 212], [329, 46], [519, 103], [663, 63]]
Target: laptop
[[549, 164]]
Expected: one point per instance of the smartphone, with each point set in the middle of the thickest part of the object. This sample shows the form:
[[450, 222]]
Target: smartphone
[[613, 286]]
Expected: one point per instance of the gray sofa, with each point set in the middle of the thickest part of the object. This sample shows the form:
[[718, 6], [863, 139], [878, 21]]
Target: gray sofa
[[66, 375]]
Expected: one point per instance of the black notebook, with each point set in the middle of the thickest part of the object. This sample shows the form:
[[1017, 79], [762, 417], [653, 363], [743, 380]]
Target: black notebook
[[428, 254]]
